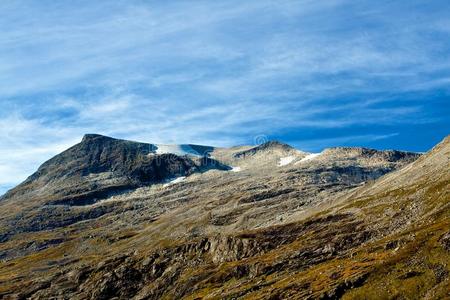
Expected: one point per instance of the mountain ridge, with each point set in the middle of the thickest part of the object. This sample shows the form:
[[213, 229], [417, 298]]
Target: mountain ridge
[[207, 151]]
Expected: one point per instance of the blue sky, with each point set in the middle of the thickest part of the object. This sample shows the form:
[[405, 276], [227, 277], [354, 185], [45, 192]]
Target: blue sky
[[314, 74]]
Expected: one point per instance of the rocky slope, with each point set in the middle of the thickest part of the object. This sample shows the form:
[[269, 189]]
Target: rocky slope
[[265, 222]]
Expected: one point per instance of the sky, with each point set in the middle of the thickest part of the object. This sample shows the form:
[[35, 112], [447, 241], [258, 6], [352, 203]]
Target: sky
[[310, 73]]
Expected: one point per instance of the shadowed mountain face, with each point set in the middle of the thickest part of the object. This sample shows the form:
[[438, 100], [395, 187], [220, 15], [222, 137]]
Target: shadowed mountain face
[[111, 218], [100, 166]]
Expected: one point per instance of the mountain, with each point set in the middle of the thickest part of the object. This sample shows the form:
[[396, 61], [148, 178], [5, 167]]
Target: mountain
[[100, 166], [116, 219]]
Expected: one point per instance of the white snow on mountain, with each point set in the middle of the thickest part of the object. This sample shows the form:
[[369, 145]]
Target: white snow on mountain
[[286, 160], [175, 181], [308, 157], [236, 169], [176, 149]]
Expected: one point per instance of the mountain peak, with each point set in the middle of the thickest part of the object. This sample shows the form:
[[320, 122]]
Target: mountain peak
[[100, 164], [93, 136], [267, 146], [89, 136], [274, 144]]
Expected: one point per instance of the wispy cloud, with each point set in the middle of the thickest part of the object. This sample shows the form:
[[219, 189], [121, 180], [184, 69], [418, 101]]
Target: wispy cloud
[[216, 72], [25, 144]]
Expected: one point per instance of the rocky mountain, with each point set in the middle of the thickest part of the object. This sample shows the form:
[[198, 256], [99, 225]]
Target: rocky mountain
[[100, 166], [114, 219]]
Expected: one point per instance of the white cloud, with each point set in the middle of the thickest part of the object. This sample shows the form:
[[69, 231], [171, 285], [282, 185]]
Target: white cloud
[[25, 144], [208, 72]]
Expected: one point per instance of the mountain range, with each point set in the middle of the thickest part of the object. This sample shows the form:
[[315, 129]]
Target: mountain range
[[117, 219]]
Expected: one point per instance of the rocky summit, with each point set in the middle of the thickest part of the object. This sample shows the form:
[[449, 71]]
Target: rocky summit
[[117, 219]]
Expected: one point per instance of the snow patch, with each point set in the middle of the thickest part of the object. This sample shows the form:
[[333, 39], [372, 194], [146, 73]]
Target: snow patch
[[176, 149], [235, 169], [286, 160], [174, 181], [308, 157]]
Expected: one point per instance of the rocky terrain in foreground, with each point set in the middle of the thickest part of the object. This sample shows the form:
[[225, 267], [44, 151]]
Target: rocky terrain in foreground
[[115, 219]]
